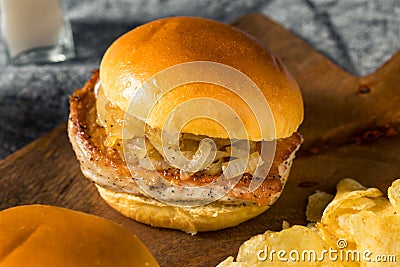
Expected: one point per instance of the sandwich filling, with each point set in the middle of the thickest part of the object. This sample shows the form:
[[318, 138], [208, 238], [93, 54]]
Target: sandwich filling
[[102, 137]]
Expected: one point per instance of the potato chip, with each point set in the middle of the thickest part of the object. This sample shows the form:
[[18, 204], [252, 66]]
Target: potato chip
[[377, 235], [295, 246], [250, 248], [285, 224], [332, 242], [312, 226], [316, 205], [359, 223], [394, 194], [351, 197]]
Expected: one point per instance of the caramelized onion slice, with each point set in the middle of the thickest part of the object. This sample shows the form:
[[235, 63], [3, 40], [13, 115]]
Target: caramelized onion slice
[[117, 123], [214, 169], [242, 165], [134, 149], [189, 161], [203, 157], [219, 142]]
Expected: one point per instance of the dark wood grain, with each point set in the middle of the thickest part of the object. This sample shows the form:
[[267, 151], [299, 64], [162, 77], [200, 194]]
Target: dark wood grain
[[350, 130]]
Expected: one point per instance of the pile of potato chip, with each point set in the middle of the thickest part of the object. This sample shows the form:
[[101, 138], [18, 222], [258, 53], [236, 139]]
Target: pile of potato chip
[[359, 227]]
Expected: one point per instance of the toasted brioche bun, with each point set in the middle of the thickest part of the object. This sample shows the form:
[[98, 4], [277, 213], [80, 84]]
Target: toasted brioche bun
[[211, 217], [111, 175], [144, 52], [141, 53], [40, 235]]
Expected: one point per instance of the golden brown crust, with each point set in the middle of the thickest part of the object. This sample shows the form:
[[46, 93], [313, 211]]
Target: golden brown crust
[[87, 138], [40, 235], [273, 184], [153, 47]]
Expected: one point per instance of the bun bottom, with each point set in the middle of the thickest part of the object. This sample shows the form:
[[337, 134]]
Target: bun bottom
[[210, 217]]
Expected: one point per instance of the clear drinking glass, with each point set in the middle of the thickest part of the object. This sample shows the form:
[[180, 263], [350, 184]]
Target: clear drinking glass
[[36, 31]]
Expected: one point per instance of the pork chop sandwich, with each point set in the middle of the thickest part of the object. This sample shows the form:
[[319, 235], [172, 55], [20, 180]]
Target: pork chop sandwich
[[138, 132]]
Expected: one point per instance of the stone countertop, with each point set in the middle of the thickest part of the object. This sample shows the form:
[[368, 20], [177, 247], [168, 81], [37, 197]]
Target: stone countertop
[[358, 35]]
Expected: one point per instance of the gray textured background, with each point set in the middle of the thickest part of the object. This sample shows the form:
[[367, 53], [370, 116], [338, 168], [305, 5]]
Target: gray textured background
[[359, 35]]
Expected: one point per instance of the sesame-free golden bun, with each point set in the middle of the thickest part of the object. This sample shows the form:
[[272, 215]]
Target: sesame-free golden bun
[[112, 178], [210, 217], [38, 235], [141, 53]]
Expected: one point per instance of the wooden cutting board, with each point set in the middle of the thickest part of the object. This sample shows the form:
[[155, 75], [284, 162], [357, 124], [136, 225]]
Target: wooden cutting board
[[350, 130]]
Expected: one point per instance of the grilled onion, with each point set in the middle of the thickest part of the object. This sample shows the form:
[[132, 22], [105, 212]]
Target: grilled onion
[[117, 123], [191, 154], [239, 166]]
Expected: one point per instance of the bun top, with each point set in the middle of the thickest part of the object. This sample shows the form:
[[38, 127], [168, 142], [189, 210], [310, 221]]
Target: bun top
[[141, 53], [39, 235]]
